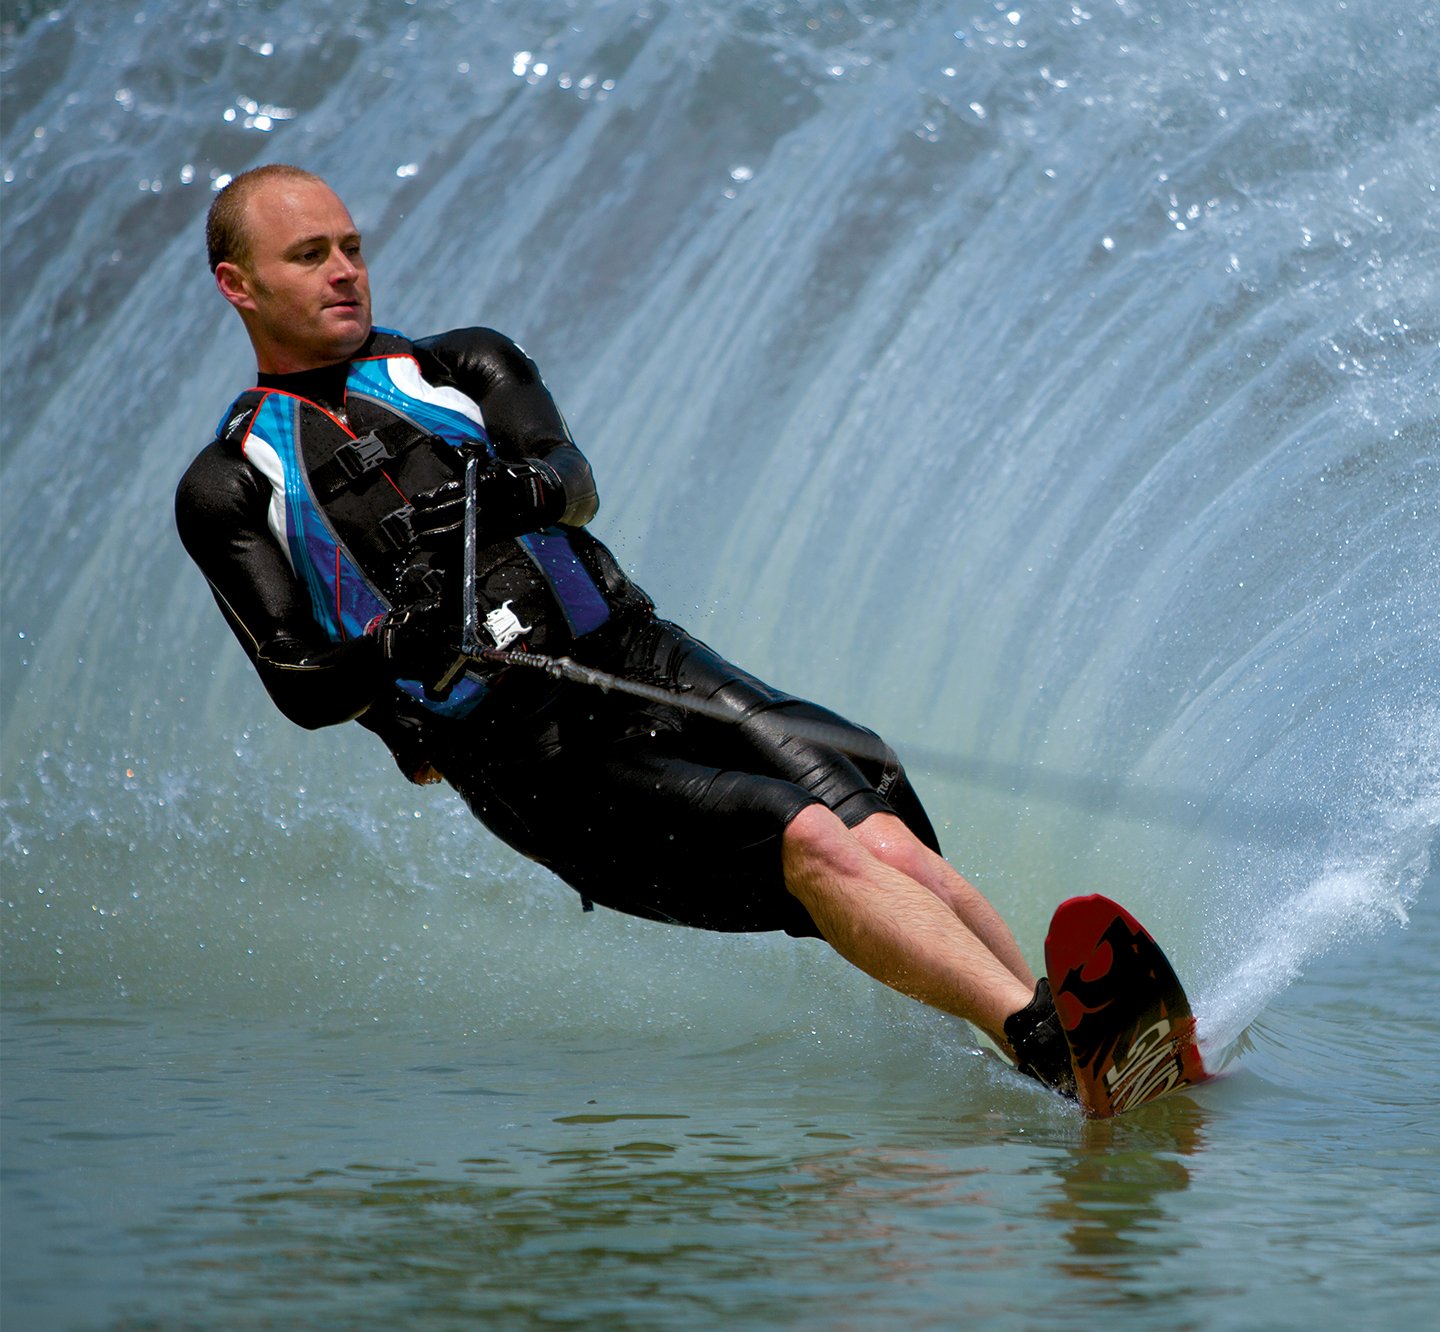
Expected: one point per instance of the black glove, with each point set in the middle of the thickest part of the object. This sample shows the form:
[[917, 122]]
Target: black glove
[[421, 642], [510, 498]]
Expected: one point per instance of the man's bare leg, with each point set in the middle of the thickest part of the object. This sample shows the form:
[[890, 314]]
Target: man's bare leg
[[895, 928], [888, 839]]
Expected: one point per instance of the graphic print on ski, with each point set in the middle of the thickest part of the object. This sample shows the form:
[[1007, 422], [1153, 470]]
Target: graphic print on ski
[[1123, 1011]]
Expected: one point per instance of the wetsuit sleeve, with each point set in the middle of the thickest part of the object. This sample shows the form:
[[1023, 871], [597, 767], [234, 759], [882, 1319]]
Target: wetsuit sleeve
[[520, 415], [220, 511]]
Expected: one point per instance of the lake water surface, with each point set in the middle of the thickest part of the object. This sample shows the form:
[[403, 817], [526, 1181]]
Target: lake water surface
[[1053, 387]]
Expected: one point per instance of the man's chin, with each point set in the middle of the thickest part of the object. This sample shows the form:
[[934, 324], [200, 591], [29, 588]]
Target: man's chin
[[330, 341], [350, 335]]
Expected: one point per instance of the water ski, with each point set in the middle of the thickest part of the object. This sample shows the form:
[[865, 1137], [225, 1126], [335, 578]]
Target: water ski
[[1124, 1013]]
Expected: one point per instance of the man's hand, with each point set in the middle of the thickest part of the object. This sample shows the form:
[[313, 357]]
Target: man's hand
[[421, 642], [512, 498]]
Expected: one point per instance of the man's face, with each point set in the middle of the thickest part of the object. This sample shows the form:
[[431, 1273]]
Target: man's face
[[304, 292]]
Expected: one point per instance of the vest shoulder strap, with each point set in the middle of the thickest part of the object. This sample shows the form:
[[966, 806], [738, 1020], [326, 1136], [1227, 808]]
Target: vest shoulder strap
[[387, 342], [238, 415]]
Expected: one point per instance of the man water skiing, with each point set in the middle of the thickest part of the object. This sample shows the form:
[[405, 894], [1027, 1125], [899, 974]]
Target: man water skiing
[[330, 516]]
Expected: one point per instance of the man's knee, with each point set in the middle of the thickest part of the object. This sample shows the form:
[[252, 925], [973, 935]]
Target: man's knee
[[889, 839], [810, 831], [816, 845]]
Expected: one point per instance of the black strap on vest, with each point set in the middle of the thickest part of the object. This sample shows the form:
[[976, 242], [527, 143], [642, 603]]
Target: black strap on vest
[[357, 457]]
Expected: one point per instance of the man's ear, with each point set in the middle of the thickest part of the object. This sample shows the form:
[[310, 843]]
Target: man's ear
[[234, 286]]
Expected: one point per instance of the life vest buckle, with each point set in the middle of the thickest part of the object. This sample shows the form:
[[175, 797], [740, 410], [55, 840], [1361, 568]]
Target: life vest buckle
[[503, 625], [357, 456], [398, 528]]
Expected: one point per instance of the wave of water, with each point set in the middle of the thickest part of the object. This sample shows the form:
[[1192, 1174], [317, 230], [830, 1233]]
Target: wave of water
[[1052, 386]]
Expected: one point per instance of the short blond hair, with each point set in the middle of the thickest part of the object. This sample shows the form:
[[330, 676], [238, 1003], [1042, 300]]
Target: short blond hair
[[227, 237]]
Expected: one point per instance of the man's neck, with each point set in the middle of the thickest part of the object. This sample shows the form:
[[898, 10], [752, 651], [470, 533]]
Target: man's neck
[[325, 385]]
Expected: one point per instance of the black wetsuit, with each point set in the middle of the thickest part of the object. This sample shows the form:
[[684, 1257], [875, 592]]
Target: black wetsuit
[[649, 808]]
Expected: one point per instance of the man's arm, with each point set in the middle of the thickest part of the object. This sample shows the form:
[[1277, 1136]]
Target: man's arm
[[520, 415], [220, 510]]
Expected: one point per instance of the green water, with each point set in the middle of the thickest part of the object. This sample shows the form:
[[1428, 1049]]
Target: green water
[[168, 1168]]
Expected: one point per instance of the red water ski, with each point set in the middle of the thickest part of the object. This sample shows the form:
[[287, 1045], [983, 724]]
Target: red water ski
[[1125, 1014]]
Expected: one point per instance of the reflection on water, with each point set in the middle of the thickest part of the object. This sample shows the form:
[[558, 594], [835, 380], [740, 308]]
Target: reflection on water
[[646, 1218], [1115, 1188], [384, 1175], [226, 1173]]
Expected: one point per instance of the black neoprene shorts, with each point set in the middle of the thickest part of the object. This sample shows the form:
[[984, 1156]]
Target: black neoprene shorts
[[665, 813]]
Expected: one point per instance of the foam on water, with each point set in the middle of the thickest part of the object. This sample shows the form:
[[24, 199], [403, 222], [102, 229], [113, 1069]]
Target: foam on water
[[1364, 885]]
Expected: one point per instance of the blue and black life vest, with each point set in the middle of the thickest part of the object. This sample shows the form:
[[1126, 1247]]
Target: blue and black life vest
[[340, 508]]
